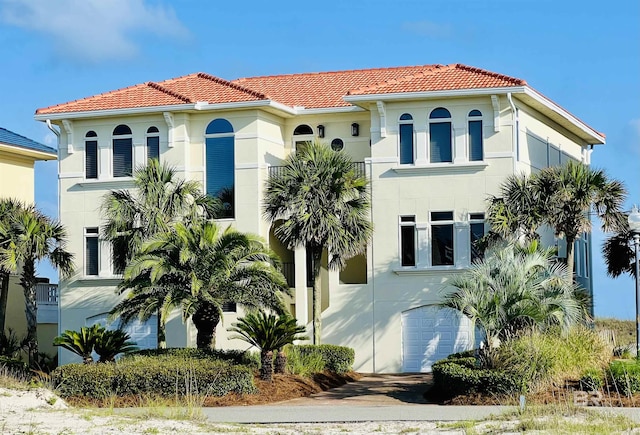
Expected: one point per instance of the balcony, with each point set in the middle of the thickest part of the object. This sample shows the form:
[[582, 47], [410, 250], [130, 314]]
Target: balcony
[[47, 300], [358, 167]]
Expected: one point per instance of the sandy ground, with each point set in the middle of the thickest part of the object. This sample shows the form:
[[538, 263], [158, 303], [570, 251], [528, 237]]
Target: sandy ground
[[39, 411]]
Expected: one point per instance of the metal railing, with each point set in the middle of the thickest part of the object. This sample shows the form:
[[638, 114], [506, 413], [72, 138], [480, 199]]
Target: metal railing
[[358, 167], [47, 294]]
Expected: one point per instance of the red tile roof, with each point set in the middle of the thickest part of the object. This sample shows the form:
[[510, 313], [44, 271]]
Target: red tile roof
[[310, 90]]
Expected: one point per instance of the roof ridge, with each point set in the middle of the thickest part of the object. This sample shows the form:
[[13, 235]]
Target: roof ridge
[[161, 88], [233, 85], [432, 69], [240, 79], [514, 80]]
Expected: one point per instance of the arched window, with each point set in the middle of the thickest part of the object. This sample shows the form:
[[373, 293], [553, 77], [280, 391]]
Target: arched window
[[153, 143], [220, 164], [337, 144], [122, 151], [302, 136], [475, 136], [406, 138], [440, 144], [91, 155]]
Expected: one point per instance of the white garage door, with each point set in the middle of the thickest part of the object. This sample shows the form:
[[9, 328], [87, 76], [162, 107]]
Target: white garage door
[[430, 334], [143, 334]]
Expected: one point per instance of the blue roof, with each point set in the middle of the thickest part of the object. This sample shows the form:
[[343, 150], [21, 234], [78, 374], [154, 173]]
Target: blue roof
[[10, 138]]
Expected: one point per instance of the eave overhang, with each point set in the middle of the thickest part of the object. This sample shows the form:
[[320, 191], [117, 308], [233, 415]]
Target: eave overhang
[[26, 152]]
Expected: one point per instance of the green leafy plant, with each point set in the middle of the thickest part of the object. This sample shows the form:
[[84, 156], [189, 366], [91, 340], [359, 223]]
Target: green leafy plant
[[80, 342], [337, 359], [10, 344], [111, 343], [268, 332], [624, 376], [303, 363]]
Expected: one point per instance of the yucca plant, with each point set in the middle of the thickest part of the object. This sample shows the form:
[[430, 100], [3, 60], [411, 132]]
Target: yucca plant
[[113, 342], [268, 332], [80, 342]]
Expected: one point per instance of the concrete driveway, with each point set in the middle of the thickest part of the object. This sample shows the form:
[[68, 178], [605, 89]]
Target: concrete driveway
[[372, 389]]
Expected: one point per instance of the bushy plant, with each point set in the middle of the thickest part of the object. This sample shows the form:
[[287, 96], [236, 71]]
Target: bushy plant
[[337, 359], [456, 376], [303, 363], [592, 380], [543, 359], [10, 344], [238, 357], [163, 376], [106, 343], [14, 366], [624, 376]]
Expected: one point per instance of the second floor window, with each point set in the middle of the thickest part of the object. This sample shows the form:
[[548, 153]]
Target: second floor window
[[153, 143], [220, 164], [476, 233], [440, 138], [122, 151], [91, 155], [408, 240], [92, 251], [475, 136], [442, 238], [406, 139]]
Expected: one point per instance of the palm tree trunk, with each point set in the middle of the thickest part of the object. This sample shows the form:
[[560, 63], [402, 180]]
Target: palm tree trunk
[[266, 365], [570, 258], [316, 254], [205, 319], [4, 297], [162, 331], [28, 283], [281, 362]]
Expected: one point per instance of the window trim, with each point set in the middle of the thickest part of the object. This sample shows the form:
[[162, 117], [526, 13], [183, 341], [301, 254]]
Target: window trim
[[470, 119], [93, 138], [433, 121], [91, 233], [410, 222], [450, 222], [476, 220], [402, 122], [231, 134], [146, 142], [121, 137]]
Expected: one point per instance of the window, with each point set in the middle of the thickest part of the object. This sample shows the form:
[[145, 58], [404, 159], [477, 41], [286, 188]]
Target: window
[[119, 249], [229, 307], [475, 136], [337, 145], [92, 251], [440, 145], [442, 238], [406, 139], [153, 143], [302, 136], [122, 151], [408, 240], [476, 233], [91, 155], [220, 164]]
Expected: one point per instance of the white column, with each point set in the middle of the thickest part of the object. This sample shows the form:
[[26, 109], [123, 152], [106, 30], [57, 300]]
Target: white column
[[421, 146], [462, 244], [104, 159], [459, 145], [422, 245], [301, 293]]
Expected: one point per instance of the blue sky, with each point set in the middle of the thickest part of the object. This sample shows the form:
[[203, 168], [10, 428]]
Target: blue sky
[[584, 55]]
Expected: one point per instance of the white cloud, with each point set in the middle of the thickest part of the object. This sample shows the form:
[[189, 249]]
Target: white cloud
[[93, 30], [428, 28]]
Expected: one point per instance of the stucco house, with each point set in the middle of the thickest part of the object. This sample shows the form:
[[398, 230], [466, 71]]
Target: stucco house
[[18, 155], [434, 141]]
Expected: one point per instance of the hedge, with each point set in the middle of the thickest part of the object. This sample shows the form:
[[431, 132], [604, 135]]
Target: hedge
[[237, 357], [165, 376], [337, 359], [458, 376], [624, 377]]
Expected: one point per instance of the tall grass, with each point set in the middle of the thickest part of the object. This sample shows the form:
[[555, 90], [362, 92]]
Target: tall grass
[[550, 358], [303, 364]]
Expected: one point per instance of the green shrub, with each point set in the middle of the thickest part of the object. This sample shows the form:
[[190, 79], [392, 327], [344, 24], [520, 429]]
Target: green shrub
[[337, 359], [238, 357], [14, 366], [164, 375], [303, 363], [547, 358], [456, 376], [624, 377], [592, 380]]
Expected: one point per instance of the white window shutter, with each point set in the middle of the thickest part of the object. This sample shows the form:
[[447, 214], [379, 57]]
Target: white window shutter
[[462, 244]]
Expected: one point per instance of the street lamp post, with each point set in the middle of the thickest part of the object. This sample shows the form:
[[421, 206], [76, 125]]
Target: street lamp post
[[634, 226]]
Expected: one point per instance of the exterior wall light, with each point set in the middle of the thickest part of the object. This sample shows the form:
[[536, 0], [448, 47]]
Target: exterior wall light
[[355, 129], [321, 130]]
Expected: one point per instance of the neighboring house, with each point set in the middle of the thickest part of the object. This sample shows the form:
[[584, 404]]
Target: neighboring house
[[18, 155], [434, 141]]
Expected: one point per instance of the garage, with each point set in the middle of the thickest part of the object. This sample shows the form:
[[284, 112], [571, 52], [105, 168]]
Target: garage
[[431, 333]]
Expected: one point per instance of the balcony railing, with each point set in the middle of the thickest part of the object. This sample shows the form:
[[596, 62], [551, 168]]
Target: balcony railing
[[358, 167], [47, 294]]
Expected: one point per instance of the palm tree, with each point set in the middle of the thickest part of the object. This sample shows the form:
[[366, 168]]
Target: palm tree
[[562, 197], [201, 267], [34, 237], [81, 343], [267, 332], [8, 207], [112, 343], [618, 252], [324, 204], [514, 288], [158, 202]]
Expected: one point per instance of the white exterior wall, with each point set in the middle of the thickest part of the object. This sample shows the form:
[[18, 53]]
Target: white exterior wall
[[363, 316]]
